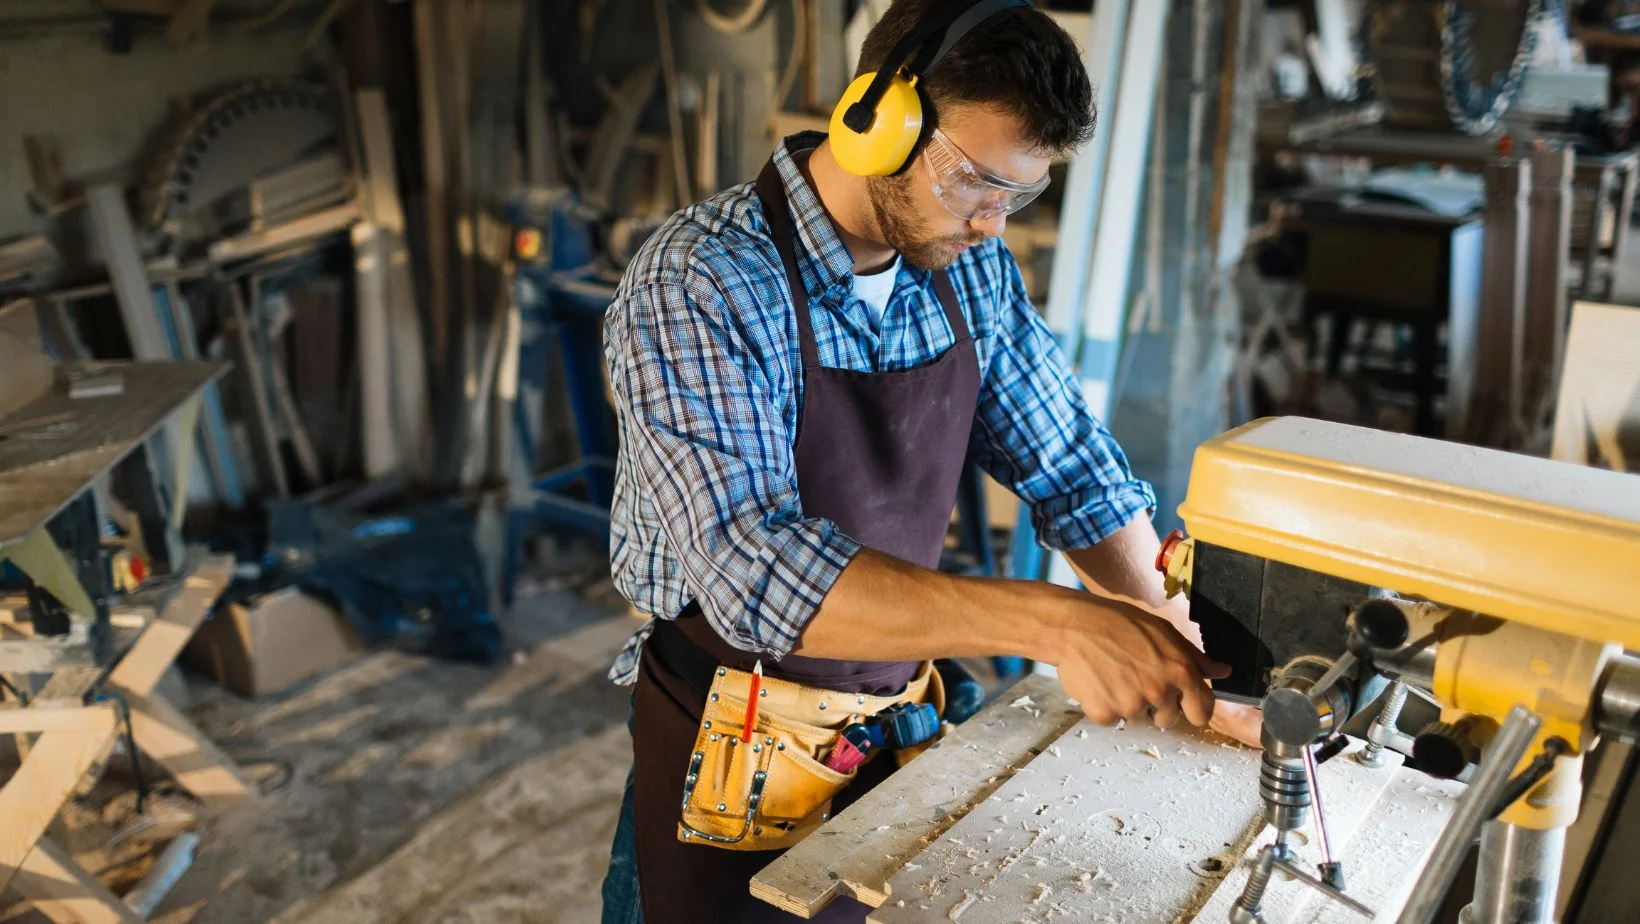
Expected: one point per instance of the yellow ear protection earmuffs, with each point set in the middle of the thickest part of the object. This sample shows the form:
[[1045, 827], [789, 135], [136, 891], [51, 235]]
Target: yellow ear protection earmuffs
[[880, 118]]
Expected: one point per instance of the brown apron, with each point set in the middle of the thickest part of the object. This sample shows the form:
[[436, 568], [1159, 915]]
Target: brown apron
[[880, 454]]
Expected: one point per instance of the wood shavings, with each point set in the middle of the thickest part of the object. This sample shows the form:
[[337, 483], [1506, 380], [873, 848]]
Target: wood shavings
[[1151, 750], [1024, 702], [1054, 750], [1043, 890], [956, 911], [1081, 733]]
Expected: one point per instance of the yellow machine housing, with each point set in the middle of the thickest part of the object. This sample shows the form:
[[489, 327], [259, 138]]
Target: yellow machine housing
[[1535, 563], [1547, 544]]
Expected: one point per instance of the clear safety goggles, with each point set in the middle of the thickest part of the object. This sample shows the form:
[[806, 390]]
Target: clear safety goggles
[[968, 192]]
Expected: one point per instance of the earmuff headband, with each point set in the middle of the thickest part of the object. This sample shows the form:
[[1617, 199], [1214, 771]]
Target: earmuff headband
[[948, 28]]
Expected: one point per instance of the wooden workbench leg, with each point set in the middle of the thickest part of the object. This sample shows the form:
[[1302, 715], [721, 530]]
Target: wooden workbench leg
[[1597, 215], [165, 735], [1620, 230], [63, 891]]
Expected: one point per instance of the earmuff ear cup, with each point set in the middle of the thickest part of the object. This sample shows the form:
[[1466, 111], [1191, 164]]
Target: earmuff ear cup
[[884, 148]]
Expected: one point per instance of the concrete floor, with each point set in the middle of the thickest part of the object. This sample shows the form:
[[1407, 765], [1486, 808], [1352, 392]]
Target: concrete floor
[[421, 791]]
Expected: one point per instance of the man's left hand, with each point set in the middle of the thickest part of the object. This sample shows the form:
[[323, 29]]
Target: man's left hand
[[1232, 720]]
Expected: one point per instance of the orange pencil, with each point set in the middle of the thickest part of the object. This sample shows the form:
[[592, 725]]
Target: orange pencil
[[751, 703]]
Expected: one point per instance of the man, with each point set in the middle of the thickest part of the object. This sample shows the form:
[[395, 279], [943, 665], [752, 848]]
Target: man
[[800, 367]]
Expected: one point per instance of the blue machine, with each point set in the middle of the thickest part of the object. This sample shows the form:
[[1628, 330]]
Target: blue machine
[[562, 287]]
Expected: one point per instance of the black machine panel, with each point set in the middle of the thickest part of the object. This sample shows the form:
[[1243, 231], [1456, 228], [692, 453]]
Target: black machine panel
[[1256, 615]]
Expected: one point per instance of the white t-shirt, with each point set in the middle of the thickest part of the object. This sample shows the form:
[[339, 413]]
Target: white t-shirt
[[875, 290]]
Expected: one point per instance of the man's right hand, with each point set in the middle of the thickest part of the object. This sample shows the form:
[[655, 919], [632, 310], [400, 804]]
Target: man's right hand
[[1121, 662]]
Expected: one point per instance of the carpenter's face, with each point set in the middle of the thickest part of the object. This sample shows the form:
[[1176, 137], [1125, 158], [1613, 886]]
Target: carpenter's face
[[970, 175]]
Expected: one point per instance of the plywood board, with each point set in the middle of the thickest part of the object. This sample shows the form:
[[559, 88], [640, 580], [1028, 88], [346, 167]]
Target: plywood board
[[855, 853], [1597, 414], [1140, 824], [40, 475], [1133, 824]]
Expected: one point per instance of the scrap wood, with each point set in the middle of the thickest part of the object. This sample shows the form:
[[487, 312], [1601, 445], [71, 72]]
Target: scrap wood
[[857, 852]]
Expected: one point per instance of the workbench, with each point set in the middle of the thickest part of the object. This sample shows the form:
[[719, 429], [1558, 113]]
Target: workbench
[[1599, 175], [1028, 812]]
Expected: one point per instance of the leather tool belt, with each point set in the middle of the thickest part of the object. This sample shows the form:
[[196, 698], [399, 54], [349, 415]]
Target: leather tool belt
[[771, 792]]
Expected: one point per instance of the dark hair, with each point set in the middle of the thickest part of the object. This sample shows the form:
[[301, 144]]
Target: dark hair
[[1019, 60]]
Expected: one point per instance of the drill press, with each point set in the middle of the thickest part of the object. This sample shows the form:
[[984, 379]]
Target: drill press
[[1354, 577]]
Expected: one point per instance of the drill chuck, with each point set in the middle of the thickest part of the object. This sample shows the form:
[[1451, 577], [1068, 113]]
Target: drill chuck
[[1284, 787]]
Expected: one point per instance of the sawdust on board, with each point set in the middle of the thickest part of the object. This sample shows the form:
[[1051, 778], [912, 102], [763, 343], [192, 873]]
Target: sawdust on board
[[1052, 845]]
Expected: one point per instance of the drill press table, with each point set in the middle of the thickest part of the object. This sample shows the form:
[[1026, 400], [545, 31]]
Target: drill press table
[[1028, 812]]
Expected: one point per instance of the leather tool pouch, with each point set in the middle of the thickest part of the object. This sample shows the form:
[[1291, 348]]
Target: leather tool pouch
[[771, 792]]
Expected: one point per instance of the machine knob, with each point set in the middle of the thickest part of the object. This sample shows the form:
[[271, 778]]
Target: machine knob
[[1442, 751], [1381, 624]]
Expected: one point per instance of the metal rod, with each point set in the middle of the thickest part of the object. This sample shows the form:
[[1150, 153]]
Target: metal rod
[[1518, 873], [1314, 782], [1287, 867], [1476, 803]]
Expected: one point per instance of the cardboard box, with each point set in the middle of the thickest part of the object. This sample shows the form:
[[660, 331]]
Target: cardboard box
[[281, 639]]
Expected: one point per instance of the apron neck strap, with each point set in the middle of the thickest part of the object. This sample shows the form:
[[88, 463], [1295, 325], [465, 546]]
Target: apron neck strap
[[777, 207]]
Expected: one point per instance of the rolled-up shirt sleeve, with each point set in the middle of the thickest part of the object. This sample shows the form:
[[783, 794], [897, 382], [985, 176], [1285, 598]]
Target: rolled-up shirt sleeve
[[710, 445], [1035, 434]]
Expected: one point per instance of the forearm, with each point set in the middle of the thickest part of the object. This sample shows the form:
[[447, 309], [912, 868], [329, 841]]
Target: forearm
[[1122, 566], [884, 609]]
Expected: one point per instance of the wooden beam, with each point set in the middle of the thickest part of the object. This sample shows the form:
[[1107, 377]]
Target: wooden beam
[[292, 233], [1542, 336], [248, 367], [430, 90], [164, 638], [865, 846], [36, 792], [59, 888], [197, 765], [407, 365], [1490, 414]]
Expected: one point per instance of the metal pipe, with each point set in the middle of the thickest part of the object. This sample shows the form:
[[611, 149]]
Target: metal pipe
[[1517, 876], [1452, 848], [1412, 664], [1617, 707]]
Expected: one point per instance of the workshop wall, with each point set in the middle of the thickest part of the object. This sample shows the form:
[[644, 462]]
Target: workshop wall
[[100, 109]]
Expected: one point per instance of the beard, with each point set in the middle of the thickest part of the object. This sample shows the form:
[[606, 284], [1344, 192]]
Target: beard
[[893, 202]]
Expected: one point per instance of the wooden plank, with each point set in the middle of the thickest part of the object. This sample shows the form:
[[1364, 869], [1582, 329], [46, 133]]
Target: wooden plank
[[1542, 336], [25, 369], [1133, 822], [856, 853], [197, 765], [248, 363], [59, 888], [1142, 824], [408, 369], [39, 476], [39, 720], [290, 234], [36, 792], [435, 204], [1485, 413], [164, 638], [1596, 413], [19, 258], [117, 239]]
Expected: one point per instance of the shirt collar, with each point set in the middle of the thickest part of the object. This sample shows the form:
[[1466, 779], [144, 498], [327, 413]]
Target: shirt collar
[[821, 251]]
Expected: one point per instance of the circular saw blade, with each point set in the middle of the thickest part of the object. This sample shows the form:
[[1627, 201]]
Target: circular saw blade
[[238, 135]]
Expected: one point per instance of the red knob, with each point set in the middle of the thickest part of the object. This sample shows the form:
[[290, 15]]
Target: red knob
[[1164, 555]]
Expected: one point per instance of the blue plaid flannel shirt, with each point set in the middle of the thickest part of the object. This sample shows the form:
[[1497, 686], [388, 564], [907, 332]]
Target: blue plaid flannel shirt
[[701, 342]]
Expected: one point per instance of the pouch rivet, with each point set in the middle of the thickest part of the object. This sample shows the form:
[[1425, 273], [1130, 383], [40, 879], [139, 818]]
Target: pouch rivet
[[722, 807], [822, 705], [721, 672]]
